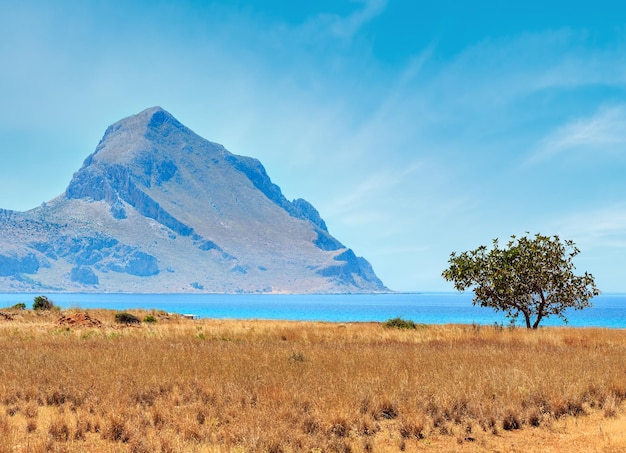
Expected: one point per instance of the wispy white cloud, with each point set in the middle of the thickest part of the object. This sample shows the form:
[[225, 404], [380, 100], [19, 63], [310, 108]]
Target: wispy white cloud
[[346, 27], [601, 227], [517, 66], [383, 182], [604, 132]]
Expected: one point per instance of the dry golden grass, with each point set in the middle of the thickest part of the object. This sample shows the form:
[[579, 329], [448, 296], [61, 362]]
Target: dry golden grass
[[270, 386]]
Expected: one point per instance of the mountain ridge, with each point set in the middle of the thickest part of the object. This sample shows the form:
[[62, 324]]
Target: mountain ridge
[[157, 208]]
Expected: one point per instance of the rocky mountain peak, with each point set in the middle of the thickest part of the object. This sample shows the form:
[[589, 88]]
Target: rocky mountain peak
[[157, 201]]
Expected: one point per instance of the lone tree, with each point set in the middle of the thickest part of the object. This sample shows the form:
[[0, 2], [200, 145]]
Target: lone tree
[[531, 276]]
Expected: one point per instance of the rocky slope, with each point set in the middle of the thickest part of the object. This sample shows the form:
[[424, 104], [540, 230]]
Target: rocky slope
[[156, 208]]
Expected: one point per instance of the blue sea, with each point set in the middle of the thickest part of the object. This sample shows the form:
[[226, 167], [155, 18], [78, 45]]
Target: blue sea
[[608, 310]]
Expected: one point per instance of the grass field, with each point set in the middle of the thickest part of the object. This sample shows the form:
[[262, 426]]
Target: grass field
[[182, 385]]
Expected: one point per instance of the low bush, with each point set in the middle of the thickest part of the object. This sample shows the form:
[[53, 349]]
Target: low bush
[[19, 306], [150, 319], [126, 318], [399, 323], [42, 303]]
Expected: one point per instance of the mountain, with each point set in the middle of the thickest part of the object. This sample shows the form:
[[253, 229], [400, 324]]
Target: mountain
[[158, 209]]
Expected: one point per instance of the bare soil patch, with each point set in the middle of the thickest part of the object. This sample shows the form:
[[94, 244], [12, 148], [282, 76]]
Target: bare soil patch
[[79, 320], [6, 316]]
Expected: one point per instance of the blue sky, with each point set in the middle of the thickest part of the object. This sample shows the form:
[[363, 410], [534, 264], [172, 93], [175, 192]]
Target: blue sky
[[415, 127]]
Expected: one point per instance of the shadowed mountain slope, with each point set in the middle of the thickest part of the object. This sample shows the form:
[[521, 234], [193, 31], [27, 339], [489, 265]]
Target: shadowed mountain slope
[[157, 208]]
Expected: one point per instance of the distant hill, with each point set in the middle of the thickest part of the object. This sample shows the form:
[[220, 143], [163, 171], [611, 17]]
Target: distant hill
[[157, 208]]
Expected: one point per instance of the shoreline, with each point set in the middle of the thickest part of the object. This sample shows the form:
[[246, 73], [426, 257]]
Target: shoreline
[[608, 311]]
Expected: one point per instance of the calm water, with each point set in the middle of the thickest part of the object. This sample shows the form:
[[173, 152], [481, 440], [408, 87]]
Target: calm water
[[609, 310]]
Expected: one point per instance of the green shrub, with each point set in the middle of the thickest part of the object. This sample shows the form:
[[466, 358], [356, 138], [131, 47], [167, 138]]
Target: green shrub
[[399, 323], [42, 303], [19, 306], [126, 318], [150, 319], [297, 357]]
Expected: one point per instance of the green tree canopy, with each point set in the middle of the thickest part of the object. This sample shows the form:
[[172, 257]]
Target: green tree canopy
[[42, 303], [533, 276]]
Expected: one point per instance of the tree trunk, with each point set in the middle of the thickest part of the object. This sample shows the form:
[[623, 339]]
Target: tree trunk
[[527, 319], [542, 306], [536, 324]]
